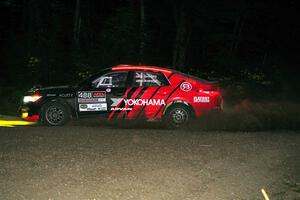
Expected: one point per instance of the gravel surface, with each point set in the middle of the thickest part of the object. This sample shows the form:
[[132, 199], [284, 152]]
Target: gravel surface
[[90, 162]]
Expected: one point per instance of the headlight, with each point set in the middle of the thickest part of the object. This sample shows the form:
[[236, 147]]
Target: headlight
[[31, 98]]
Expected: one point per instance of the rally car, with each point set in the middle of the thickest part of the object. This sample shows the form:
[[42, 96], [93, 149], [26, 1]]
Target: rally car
[[125, 92]]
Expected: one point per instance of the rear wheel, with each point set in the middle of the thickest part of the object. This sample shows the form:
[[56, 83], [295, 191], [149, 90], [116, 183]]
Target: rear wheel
[[177, 116], [54, 114]]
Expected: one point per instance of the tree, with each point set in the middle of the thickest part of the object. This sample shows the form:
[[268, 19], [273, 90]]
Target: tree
[[77, 24], [182, 38], [142, 31]]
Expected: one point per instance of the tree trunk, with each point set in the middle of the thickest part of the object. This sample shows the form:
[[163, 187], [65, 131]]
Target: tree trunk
[[237, 32], [77, 23], [142, 31], [264, 59], [181, 41], [31, 15], [239, 35]]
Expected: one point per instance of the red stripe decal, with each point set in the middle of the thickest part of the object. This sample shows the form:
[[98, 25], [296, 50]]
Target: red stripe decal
[[113, 112], [138, 115], [134, 95], [166, 100]]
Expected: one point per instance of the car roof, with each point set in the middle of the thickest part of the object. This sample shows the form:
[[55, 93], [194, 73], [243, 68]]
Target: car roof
[[159, 69], [141, 67]]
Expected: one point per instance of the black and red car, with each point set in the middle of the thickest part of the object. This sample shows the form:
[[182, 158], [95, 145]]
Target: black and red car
[[125, 92]]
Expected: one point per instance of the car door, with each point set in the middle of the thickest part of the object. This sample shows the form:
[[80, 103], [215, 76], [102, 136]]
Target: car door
[[102, 94], [149, 95]]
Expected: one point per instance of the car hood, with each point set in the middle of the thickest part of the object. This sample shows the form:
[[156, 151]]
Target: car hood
[[52, 89]]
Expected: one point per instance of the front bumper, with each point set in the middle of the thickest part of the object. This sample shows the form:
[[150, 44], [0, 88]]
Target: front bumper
[[29, 113]]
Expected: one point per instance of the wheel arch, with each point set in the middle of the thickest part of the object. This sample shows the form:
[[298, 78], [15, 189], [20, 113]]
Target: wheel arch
[[71, 110], [181, 103]]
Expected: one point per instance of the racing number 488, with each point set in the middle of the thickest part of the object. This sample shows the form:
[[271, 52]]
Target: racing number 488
[[85, 95]]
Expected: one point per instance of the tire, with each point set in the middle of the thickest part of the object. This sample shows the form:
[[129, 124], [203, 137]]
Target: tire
[[54, 114], [177, 116]]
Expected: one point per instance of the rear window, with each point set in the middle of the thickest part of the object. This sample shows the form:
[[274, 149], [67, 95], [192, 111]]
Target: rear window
[[147, 79]]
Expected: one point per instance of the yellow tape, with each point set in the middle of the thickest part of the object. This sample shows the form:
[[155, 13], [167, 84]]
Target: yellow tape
[[265, 194], [9, 123], [4, 125]]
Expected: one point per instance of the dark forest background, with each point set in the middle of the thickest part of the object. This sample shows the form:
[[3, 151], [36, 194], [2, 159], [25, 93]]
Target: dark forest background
[[250, 47]]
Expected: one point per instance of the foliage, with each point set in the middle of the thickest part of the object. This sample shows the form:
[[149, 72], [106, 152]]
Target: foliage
[[11, 100], [238, 43]]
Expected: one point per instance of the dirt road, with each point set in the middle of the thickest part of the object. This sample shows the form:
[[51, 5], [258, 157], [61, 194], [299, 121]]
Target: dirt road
[[105, 162]]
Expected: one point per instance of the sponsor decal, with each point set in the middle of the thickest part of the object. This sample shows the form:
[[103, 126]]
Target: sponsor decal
[[92, 101], [115, 101], [93, 107], [51, 95], [98, 94], [83, 106], [119, 103], [66, 95], [145, 77], [130, 108], [96, 100], [121, 109], [144, 102], [142, 110], [186, 86], [91, 96], [201, 99]]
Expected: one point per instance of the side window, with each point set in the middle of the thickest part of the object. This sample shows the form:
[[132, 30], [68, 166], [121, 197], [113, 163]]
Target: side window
[[146, 79], [113, 79]]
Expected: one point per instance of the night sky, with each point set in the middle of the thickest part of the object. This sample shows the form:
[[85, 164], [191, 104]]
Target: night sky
[[53, 42]]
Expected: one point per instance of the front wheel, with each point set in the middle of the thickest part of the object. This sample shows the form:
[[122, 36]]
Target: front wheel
[[177, 116], [54, 114]]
